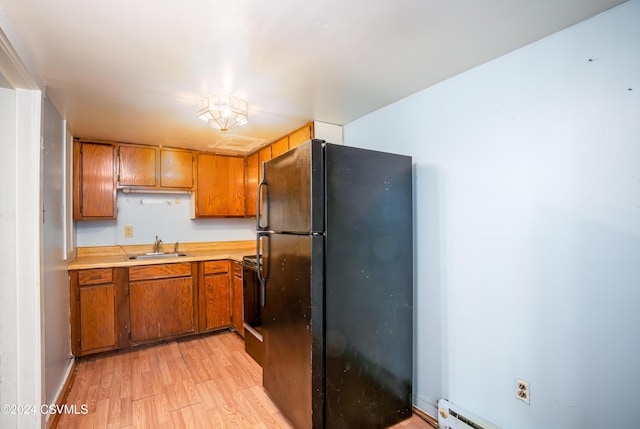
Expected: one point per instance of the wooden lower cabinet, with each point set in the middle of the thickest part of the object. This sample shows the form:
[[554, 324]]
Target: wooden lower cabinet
[[216, 301], [115, 308], [215, 296], [161, 308], [94, 295], [161, 301], [97, 317]]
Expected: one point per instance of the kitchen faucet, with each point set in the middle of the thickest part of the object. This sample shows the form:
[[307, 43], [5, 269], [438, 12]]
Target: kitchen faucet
[[156, 245]]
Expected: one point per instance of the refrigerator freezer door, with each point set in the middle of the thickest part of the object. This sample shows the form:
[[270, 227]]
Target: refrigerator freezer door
[[292, 191], [369, 287], [292, 327]]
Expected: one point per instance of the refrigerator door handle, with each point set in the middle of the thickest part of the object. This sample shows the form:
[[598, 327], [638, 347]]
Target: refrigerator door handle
[[263, 182], [263, 279]]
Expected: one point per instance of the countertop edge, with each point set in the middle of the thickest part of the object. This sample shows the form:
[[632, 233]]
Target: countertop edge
[[122, 260]]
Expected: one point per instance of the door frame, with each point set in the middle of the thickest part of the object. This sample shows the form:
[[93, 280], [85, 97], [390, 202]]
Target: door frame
[[22, 305]]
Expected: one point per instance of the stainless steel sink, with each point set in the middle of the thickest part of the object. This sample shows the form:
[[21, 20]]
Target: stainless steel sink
[[158, 255]]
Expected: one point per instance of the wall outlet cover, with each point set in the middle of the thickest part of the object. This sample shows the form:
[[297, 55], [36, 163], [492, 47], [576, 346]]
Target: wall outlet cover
[[522, 390]]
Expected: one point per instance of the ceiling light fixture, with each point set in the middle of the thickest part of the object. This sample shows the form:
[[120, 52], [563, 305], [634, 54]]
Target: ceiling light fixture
[[223, 112]]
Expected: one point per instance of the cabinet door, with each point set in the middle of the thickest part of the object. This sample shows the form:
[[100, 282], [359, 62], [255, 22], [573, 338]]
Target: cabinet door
[[161, 308], [279, 146], [94, 181], [300, 136], [237, 320], [220, 188], [252, 180], [97, 317], [176, 168], [263, 156], [217, 311], [137, 166]]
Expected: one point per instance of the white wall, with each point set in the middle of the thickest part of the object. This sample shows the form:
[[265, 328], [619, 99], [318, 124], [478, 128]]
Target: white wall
[[21, 305], [527, 228], [8, 316], [56, 285], [171, 222]]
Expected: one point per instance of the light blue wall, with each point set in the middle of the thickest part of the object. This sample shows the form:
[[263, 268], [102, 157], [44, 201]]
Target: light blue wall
[[165, 215], [527, 228]]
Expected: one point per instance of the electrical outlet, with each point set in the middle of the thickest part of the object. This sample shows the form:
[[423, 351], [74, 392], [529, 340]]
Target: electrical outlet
[[522, 390], [128, 231]]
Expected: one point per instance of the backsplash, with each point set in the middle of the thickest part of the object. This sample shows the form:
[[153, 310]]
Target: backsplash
[[164, 215]]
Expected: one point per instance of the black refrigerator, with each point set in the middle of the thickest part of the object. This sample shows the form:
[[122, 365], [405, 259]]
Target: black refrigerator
[[336, 236]]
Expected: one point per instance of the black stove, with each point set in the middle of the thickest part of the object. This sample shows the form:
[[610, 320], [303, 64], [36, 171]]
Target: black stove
[[250, 262], [252, 307]]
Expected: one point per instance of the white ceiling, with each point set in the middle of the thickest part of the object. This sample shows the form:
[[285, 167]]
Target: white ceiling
[[134, 70]]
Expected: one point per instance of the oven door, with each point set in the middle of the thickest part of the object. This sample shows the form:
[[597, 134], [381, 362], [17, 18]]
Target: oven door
[[251, 297], [252, 312]]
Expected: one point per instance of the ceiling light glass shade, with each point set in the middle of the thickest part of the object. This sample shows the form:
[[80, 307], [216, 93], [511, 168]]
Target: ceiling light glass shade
[[223, 112]]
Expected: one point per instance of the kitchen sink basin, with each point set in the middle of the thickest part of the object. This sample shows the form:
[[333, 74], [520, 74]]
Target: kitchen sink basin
[[157, 255]]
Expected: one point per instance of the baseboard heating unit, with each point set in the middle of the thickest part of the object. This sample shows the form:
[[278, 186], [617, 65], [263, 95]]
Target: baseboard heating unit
[[451, 416]]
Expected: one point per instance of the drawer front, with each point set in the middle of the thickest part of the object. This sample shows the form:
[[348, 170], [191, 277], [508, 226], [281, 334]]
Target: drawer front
[[216, 267], [147, 272], [95, 276]]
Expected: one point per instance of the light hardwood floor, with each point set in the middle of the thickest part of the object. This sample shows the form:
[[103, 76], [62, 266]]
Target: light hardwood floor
[[203, 382]]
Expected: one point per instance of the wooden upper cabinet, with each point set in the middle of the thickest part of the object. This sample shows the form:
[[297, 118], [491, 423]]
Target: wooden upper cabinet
[[263, 156], [292, 140], [148, 167], [301, 135], [279, 146], [137, 166], [255, 160], [94, 194], [252, 180], [220, 186], [176, 168]]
